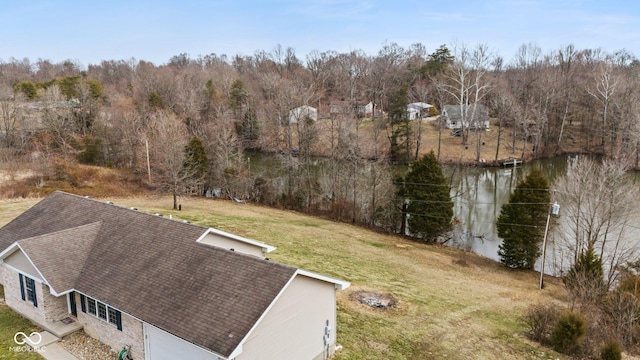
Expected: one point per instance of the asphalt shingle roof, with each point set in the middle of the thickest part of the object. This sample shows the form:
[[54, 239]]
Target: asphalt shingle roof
[[149, 267], [453, 111]]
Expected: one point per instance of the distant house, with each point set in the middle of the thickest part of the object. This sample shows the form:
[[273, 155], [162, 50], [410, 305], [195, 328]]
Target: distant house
[[418, 110], [169, 289], [301, 113], [454, 117], [359, 109]]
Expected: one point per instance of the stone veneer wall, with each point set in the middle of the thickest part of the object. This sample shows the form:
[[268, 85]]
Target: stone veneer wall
[[13, 298], [107, 333], [55, 308]]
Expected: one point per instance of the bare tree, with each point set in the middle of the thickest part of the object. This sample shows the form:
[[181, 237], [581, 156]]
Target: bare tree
[[57, 120], [168, 137], [467, 82], [606, 83], [525, 83], [13, 124], [597, 201]]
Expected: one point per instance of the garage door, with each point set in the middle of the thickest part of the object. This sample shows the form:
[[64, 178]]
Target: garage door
[[160, 345]]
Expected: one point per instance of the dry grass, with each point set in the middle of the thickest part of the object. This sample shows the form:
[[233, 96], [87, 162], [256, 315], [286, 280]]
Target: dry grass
[[451, 304], [452, 149], [70, 177]]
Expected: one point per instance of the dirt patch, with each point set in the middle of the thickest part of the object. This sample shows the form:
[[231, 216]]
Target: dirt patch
[[375, 300]]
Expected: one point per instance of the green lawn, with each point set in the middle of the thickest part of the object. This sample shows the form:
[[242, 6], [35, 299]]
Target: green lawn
[[451, 304], [10, 324]]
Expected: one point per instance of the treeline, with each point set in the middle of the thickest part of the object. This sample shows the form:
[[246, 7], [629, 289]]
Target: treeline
[[186, 125]]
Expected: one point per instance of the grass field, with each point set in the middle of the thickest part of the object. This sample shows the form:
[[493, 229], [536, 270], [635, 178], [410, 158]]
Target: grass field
[[10, 324], [451, 304]]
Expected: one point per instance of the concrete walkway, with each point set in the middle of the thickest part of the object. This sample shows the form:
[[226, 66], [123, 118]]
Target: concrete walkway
[[48, 347]]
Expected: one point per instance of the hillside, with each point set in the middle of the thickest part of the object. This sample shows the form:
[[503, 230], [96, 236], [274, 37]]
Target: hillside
[[450, 304]]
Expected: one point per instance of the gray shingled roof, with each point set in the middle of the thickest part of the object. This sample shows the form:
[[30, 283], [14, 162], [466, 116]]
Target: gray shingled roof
[[453, 112], [149, 267], [61, 255]]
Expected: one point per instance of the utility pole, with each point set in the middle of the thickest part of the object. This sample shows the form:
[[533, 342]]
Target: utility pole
[[146, 143], [554, 209]]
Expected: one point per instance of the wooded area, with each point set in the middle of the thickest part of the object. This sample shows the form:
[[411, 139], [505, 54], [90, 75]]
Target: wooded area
[[186, 126]]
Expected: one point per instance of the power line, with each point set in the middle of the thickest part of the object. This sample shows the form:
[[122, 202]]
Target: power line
[[482, 222]]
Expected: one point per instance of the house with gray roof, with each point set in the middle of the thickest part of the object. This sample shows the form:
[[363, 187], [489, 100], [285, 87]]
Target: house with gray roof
[[474, 117], [418, 110], [168, 289]]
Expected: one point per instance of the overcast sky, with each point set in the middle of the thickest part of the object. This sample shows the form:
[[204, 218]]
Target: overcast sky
[[90, 31]]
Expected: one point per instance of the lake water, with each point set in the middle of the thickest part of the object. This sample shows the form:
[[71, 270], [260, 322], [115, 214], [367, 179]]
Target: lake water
[[479, 194]]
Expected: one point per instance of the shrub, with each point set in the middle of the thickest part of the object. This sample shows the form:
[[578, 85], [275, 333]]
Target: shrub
[[611, 351], [568, 332], [539, 321]]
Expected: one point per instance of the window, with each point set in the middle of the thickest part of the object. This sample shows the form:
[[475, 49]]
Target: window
[[101, 311], [113, 316], [91, 306], [28, 289]]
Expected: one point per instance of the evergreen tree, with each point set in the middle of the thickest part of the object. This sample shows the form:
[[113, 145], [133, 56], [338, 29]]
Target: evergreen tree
[[248, 128], [195, 163], [437, 62], [427, 205], [400, 136], [522, 221], [238, 95], [155, 101], [585, 280]]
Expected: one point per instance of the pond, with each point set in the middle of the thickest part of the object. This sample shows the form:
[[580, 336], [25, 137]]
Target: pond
[[479, 194]]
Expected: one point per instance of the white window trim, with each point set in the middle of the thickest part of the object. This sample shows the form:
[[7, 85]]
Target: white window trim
[[29, 286], [107, 307]]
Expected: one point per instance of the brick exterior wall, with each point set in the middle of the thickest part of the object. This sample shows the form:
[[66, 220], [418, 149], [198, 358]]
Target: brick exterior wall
[[51, 309], [107, 333], [13, 298]]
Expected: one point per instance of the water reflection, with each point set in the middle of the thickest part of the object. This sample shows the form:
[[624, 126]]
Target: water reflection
[[479, 194]]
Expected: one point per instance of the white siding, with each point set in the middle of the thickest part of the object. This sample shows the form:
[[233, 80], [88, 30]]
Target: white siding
[[294, 327], [302, 112], [19, 261]]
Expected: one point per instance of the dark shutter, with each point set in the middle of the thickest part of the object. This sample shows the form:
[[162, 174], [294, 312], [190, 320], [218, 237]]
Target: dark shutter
[[119, 320], [83, 305], [72, 303], [22, 287], [33, 286]]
